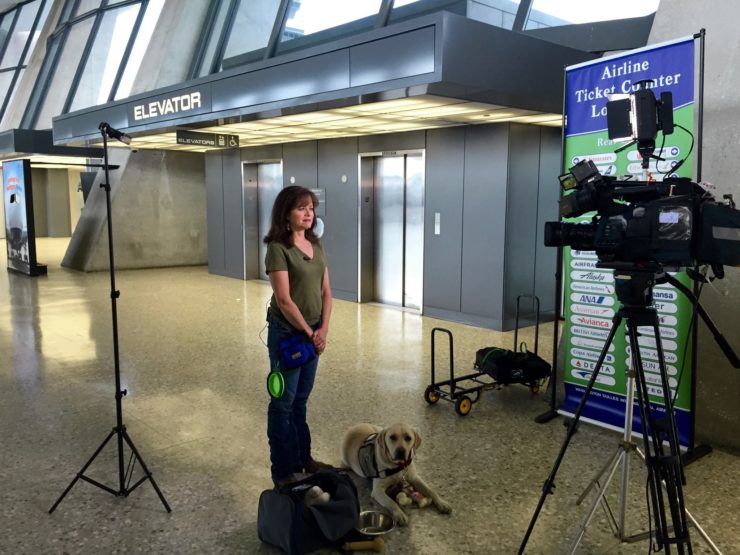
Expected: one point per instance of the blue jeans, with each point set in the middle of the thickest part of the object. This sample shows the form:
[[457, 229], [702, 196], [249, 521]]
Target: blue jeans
[[287, 429]]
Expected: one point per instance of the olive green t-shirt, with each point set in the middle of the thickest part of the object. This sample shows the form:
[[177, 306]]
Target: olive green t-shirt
[[305, 276]]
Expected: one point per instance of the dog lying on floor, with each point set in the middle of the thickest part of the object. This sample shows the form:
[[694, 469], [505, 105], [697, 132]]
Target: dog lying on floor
[[386, 456]]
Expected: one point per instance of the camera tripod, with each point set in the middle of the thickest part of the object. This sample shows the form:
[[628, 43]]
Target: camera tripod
[[124, 478], [634, 289]]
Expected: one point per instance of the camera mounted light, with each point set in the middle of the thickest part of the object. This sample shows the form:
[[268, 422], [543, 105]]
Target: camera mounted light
[[637, 118]]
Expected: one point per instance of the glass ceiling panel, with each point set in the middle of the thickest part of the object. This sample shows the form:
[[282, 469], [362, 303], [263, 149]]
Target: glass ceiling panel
[[552, 13], [500, 13], [105, 57], [37, 32], [19, 37], [252, 26], [216, 32], [85, 6], [306, 17], [153, 10], [64, 72]]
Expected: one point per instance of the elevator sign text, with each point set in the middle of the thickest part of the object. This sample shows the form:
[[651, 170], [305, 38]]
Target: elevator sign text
[[166, 107]]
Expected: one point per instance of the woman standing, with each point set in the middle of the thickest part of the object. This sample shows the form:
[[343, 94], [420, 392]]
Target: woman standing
[[300, 305]]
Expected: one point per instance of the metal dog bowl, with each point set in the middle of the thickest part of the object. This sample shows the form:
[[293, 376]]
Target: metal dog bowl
[[375, 523]]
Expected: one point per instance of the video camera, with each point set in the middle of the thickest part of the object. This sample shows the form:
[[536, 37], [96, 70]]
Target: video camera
[[674, 223]]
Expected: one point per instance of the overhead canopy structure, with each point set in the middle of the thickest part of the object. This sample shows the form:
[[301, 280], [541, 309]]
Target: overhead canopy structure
[[437, 70], [39, 146]]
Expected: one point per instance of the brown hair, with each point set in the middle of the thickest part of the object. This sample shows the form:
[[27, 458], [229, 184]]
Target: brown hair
[[287, 200]]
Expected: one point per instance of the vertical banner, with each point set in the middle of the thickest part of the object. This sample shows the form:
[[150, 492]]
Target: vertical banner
[[19, 225], [589, 299]]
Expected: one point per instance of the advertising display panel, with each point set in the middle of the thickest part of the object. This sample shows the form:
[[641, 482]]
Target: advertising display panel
[[19, 225], [589, 299]]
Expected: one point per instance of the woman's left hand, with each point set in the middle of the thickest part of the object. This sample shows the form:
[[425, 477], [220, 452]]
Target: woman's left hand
[[319, 340]]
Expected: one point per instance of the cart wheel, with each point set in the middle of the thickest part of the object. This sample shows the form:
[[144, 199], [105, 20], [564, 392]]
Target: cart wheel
[[431, 395], [463, 405], [534, 388]]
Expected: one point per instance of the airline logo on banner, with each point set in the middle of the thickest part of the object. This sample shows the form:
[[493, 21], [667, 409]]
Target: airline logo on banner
[[584, 254], [598, 288], [591, 366], [602, 323], [586, 375], [649, 341], [602, 300], [652, 354], [592, 310], [669, 333], [590, 355], [650, 366], [590, 332], [667, 320], [599, 277], [582, 264], [590, 344]]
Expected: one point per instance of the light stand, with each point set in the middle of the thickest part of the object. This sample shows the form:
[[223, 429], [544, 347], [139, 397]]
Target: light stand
[[599, 484], [552, 412], [634, 290], [124, 477]]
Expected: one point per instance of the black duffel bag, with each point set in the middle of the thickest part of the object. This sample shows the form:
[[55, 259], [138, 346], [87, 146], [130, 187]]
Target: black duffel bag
[[506, 366], [285, 521], [498, 363]]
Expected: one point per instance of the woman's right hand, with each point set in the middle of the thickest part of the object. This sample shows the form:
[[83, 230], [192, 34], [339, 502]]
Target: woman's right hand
[[319, 340]]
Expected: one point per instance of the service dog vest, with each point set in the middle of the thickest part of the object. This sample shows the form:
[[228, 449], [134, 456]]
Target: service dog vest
[[368, 464]]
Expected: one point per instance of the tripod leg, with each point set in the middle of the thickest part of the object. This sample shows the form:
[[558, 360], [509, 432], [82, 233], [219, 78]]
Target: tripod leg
[[678, 507], [595, 481], [703, 534], [549, 483], [649, 436], [663, 469], [146, 471], [712, 546], [81, 472], [600, 491]]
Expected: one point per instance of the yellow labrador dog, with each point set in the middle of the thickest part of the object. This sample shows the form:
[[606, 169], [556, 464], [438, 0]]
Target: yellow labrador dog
[[386, 456]]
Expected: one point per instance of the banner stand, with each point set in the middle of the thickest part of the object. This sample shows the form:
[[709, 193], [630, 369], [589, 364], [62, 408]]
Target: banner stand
[[553, 381], [695, 452], [589, 302]]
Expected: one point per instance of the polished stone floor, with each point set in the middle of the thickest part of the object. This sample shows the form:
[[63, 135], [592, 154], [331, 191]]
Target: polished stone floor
[[194, 364]]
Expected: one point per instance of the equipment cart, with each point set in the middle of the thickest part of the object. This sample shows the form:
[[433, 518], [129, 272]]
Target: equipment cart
[[464, 391]]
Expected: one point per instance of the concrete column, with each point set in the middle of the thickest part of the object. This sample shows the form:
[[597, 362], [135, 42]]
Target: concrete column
[[718, 384], [40, 200], [57, 205], [76, 202], [158, 197]]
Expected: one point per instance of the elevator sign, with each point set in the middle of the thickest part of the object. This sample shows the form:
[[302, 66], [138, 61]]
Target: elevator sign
[[211, 140], [163, 107]]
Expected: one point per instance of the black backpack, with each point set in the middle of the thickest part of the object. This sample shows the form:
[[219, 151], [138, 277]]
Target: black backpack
[[285, 521]]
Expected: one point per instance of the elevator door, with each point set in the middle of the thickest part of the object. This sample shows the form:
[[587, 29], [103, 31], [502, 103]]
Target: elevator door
[[262, 183], [398, 230]]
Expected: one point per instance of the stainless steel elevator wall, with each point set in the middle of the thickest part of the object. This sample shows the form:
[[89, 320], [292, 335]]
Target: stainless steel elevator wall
[[269, 184], [262, 183], [398, 230]]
